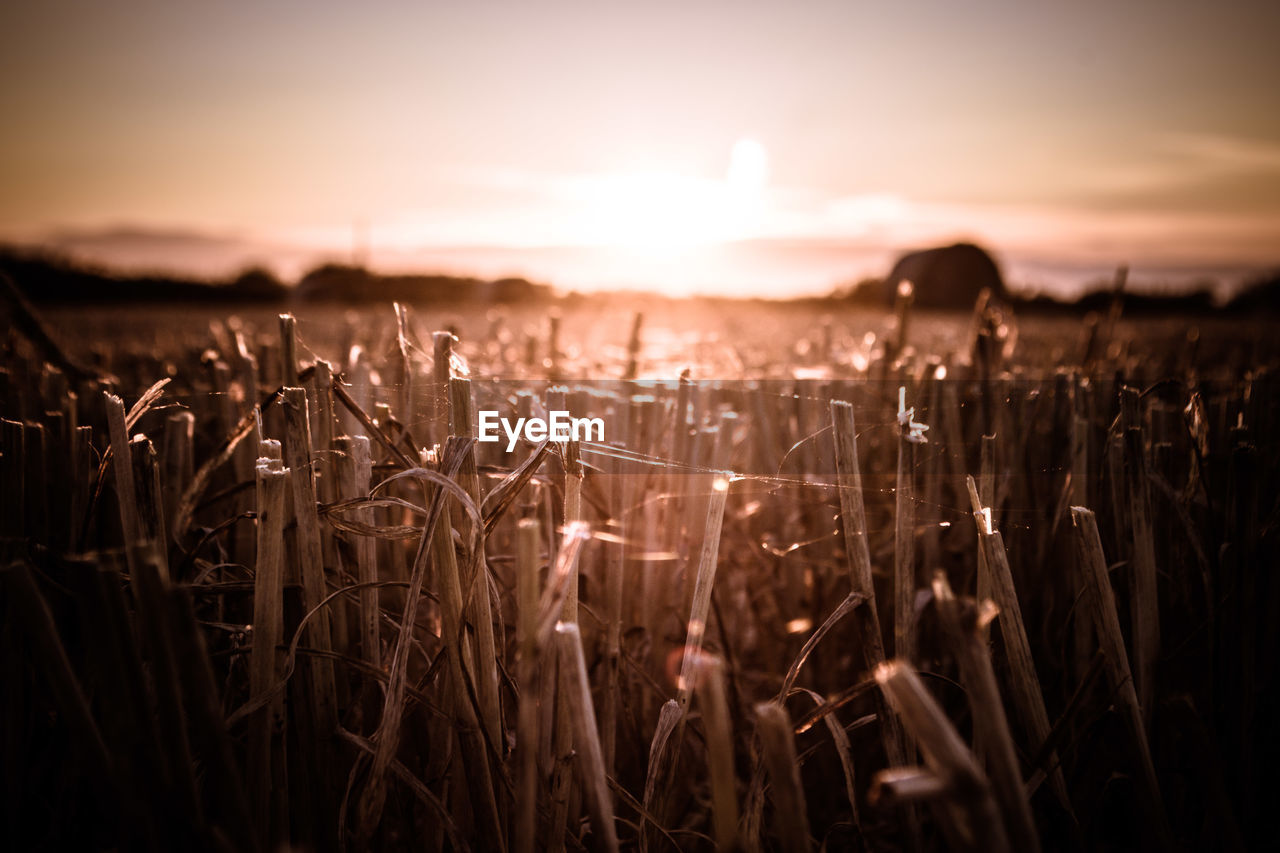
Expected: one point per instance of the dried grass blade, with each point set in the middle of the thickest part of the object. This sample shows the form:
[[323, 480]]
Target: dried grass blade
[[500, 498]]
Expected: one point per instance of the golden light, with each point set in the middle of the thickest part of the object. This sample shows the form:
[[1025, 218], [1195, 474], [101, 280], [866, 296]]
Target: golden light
[[746, 180], [666, 211], [748, 168], [651, 210]]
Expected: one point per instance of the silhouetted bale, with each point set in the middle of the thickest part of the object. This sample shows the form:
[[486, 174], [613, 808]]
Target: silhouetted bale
[[945, 277]]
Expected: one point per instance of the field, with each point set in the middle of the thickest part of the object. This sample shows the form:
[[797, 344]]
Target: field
[[844, 580]]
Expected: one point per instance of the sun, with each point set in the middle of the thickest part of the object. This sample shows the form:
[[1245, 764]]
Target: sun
[[668, 212], [745, 185], [652, 211], [748, 169]]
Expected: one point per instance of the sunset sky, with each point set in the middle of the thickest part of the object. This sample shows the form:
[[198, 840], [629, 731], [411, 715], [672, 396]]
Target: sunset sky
[[605, 143]]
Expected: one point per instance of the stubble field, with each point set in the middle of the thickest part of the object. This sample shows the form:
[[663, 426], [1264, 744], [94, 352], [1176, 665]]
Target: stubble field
[[985, 582]]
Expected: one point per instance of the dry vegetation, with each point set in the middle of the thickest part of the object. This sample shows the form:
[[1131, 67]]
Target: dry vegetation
[[261, 587]]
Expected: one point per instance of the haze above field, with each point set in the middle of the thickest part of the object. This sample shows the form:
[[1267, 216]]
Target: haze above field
[[724, 147]]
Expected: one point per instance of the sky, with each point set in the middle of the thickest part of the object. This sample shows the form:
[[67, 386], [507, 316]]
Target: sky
[[697, 146]]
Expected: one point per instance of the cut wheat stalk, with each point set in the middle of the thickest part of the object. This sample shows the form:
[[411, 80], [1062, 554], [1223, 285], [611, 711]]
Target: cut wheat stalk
[[80, 472], [149, 507], [358, 376], [952, 431], [126, 489], [573, 476], [576, 691], [700, 609], [476, 589], [662, 757], [324, 466], [266, 731], [354, 468], [404, 384], [179, 466], [633, 348], [554, 600], [324, 421], [298, 459], [1027, 696], [1080, 457], [36, 479], [682, 488], [854, 526], [987, 496], [968, 806], [552, 362], [441, 373], [288, 350], [246, 371], [1102, 604], [964, 624], [1144, 611], [526, 752], [1083, 633], [982, 582], [614, 585], [932, 375], [778, 750], [904, 544], [718, 727]]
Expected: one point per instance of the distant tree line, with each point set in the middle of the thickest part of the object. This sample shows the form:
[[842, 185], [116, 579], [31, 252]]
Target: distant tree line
[[945, 278], [46, 278]]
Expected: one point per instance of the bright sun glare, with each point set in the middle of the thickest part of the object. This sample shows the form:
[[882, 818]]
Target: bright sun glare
[[748, 169], [662, 211]]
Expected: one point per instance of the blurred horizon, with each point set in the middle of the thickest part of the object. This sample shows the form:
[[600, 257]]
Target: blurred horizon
[[760, 268], [772, 149]]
